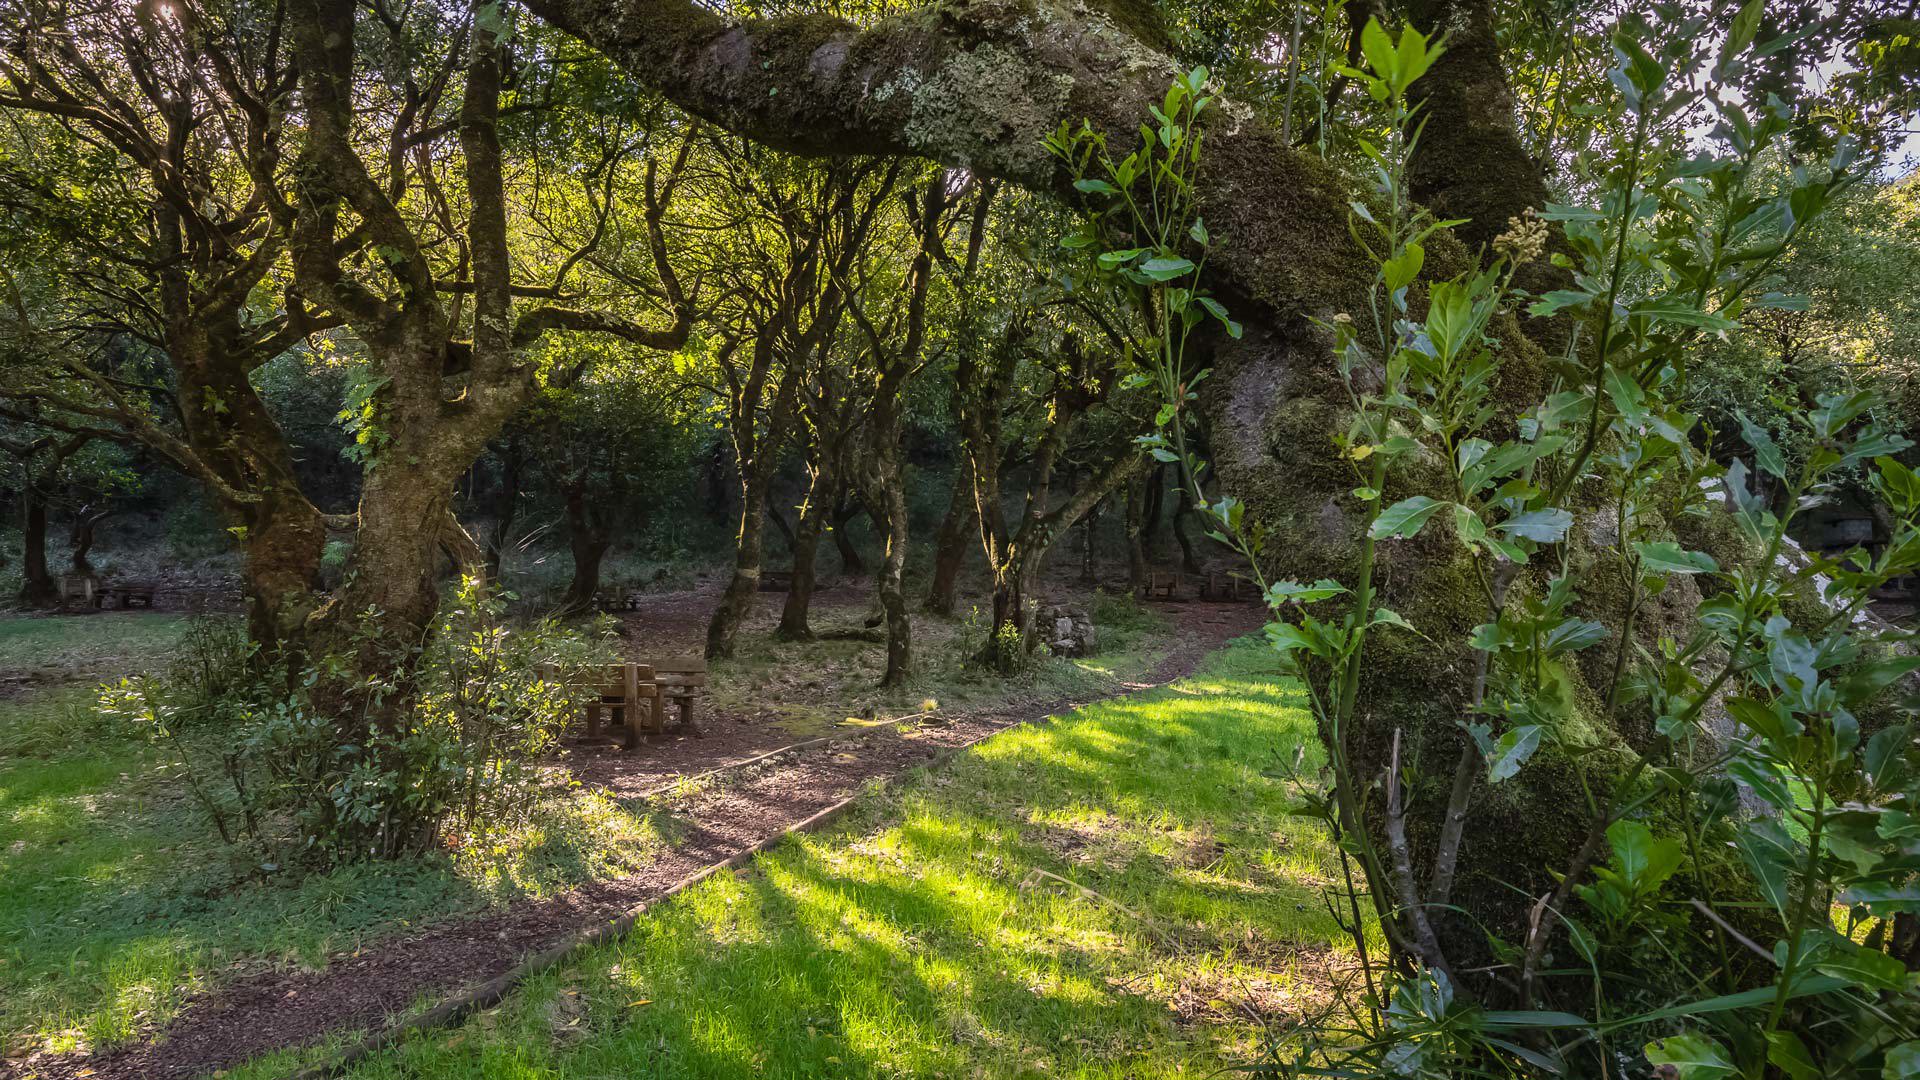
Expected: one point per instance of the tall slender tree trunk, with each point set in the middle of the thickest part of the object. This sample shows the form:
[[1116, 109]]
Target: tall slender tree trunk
[[1189, 563], [1136, 550], [1153, 509], [951, 543], [37, 588], [507, 508], [806, 547], [737, 601], [589, 539], [1089, 537], [886, 495]]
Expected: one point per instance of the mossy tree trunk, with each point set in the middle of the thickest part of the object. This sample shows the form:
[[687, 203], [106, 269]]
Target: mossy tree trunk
[[848, 510]]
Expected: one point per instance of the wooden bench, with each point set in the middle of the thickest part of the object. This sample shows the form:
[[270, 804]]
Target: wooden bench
[[681, 680], [626, 695], [776, 581], [81, 587], [133, 593], [1219, 586], [1162, 586], [611, 600]]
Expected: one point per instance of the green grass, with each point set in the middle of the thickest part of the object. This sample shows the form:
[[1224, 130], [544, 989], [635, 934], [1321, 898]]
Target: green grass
[[117, 900], [60, 648], [926, 937], [816, 686]]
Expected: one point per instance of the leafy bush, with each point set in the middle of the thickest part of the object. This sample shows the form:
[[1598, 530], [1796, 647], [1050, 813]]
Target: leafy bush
[[1744, 902], [277, 768]]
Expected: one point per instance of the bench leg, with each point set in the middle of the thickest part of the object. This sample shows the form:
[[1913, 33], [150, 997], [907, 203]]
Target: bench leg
[[593, 720], [634, 736], [686, 718]]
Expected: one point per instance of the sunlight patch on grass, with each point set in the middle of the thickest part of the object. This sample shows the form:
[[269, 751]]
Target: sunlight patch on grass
[[1092, 898]]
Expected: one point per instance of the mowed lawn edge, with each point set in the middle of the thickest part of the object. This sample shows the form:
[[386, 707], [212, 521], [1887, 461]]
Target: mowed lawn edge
[[1118, 893]]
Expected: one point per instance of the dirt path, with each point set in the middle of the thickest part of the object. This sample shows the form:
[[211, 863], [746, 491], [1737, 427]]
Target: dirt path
[[272, 1010]]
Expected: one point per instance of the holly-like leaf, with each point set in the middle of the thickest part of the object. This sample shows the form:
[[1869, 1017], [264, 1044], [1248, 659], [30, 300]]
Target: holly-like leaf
[[1511, 751], [1405, 518], [1695, 1057], [1292, 592], [1540, 526], [1666, 557]]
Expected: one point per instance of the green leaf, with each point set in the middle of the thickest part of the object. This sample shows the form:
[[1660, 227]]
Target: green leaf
[[1391, 618], [1512, 750], [1697, 1057], [1666, 557], [1766, 454], [1902, 1062], [1400, 270], [1787, 1053], [1377, 47], [1095, 187], [1405, 518], [1553, 302], [1166, 269], [1680, 313], [1645, 861], [1292, 592], [1745, 999], [1540, 526], [1534, 1018], [1861, 966], [1769, 854], [1765, 720]]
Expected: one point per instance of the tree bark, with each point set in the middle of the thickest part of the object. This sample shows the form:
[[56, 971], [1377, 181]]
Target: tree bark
[[1136, 551], [952, 543], [736, 602], [588, 537], [1153, 510], [506, 506], [794, 625], [1189, 563], [37, 587], [848, 511], [86, 525]]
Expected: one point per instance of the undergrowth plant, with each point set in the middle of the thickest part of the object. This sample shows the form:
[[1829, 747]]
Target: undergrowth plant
[[279, 773], [1743, 902]]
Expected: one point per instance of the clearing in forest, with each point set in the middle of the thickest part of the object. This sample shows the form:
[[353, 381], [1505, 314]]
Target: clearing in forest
[[1118, 893]]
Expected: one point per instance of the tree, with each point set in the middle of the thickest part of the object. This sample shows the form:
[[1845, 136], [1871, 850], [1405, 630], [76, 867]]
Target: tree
[[983, 83], [122, 193], [895, 353], [800, 229]]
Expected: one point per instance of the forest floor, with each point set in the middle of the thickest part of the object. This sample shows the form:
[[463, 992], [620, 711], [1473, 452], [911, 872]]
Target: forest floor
[[134, 949]]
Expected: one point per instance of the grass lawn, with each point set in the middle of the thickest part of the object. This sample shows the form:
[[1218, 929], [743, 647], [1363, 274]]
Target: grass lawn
[[118, 902], [931, 934], [110, 644], [117, 899]]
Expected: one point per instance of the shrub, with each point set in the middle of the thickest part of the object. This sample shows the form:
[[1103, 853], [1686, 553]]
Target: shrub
[[277, 770]]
